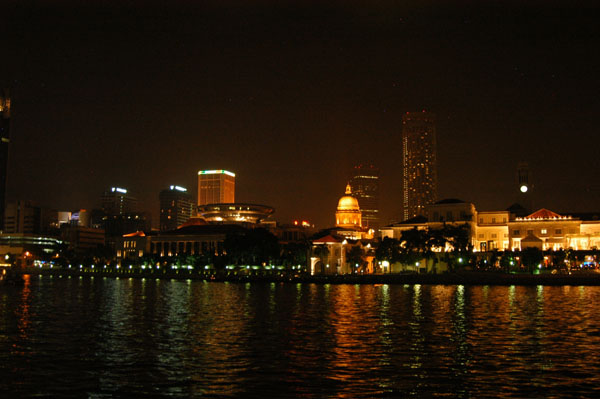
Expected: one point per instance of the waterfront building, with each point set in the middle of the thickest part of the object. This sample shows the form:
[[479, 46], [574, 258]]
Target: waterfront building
[[80, 238], [133, 245], [216, 187], [348, 213], [4, 142], [25, 217], [176, 207], [298, 231], [118, 201], [120, 215], [332, 253], [419, 163], [364, 184], [555, 231], [117, 225], [504, 230], [329, 255], [195, 237], [235, 213], [492, 230], [28, 247]]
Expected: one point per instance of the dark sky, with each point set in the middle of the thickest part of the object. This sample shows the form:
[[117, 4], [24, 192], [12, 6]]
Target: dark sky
[[289, 95]]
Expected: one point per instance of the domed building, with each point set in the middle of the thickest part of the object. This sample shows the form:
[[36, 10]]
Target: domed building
[[348, 214]]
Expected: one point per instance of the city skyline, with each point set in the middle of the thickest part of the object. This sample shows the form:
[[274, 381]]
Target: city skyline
[[292, 96]]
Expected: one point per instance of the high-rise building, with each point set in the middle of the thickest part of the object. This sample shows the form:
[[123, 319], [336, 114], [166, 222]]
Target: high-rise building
[[176, 207], [117, 201], [216, 187], [364, 183], [4, 141], [419, 163], [26, 217]]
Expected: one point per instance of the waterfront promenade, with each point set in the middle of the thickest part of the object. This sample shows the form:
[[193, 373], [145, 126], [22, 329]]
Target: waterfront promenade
[[452, 278]]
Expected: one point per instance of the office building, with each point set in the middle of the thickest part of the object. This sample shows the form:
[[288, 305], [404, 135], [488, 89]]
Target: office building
[[25, 217], [364, 183], [216, 187], [4, 142], [117, 201], [176, 207], [419, 163]]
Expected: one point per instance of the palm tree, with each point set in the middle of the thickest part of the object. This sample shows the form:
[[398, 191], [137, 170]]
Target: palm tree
[[356, 257]]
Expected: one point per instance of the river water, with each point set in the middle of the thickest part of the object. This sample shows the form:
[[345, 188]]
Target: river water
[[105, 337]]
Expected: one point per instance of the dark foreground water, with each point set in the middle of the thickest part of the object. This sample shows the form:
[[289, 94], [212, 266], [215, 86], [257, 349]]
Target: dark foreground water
[[102, 337]]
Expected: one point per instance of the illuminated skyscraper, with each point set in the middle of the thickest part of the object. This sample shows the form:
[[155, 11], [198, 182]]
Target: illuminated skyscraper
[[216, 187], [4, 136], [364, 183], [419, 162], [176, 207]]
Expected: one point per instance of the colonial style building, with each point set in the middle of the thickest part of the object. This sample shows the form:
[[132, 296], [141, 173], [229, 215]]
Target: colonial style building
[[504, 230], [348, 214]]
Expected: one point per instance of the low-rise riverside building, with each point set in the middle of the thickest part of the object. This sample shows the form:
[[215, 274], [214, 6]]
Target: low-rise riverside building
[[190, 239], [504, 230]]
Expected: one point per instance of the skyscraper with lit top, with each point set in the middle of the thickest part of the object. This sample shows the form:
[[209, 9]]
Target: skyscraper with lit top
[[419, 163], [216, 187], [176, 207], [5, 140], [118, 201]]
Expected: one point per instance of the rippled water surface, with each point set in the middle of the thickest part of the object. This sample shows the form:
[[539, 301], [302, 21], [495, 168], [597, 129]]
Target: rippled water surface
[[101, 337]]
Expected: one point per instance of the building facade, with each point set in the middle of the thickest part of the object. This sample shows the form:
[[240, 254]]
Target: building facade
[[216, 187], [117, 201], [4, 142], [80, 238], [176, 207], [419, 163], [504, 230], [364, 183], [192, 239], [348, 214], [26, 217], [236, 213]]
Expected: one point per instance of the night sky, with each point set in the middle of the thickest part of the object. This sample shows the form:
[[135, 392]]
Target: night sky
[[289, 95]]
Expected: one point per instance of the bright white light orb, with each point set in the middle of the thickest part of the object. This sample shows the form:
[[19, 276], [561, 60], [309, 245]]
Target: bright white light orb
[[524, 188]]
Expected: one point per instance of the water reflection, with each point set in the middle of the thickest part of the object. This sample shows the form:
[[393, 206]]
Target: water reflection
[[133, 337]]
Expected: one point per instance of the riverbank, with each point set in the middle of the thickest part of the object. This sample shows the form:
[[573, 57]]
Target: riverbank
[[455, 278]]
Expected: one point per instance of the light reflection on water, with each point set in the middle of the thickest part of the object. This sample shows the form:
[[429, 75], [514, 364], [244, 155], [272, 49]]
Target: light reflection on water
[[129, 337]]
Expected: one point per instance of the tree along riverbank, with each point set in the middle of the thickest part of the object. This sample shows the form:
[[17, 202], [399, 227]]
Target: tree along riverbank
[[451, 278]]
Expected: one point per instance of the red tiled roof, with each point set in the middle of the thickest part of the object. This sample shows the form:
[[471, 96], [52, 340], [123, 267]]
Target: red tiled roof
[[543, 214], [327, 238]]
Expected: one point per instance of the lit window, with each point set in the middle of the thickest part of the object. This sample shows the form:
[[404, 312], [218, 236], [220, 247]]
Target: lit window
[[544, 231]]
